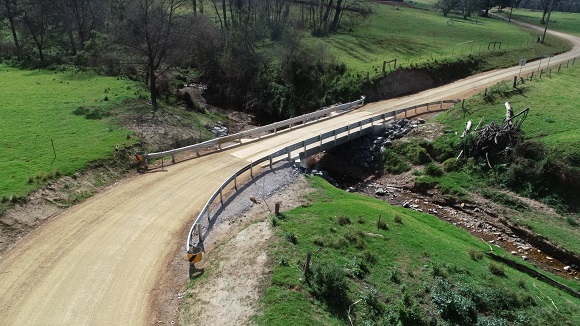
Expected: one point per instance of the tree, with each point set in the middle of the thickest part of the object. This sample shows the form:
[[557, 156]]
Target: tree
[[446, 5], [11, 11], [158, 31], [486, 5], [39, 19], [467, 7]]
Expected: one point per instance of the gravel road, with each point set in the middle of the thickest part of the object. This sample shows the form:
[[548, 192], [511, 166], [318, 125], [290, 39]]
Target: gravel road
[[99, 262]]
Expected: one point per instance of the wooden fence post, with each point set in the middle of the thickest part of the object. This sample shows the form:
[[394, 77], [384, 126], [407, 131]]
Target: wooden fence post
[[307, 265]]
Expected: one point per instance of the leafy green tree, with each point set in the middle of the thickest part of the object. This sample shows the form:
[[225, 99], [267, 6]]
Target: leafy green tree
[[158, 33], [446, 6]]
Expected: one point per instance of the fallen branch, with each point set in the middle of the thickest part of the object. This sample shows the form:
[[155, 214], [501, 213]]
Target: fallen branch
[[546, 296], [351, 324]]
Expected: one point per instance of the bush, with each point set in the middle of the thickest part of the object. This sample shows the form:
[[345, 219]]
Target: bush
[[433, 170], [452, 307], [444, 148], [425, 183], [343, 220], [329, 283], [572, 221], [450, 165], [413, 153], [291, 237], [475, 254], [393, 163], [496, 269], [398, 219]]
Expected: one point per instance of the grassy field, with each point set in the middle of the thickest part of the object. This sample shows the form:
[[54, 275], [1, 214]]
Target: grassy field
[[414, 270], [553, 120], [413, 35], [553, 102], [567, 22], [40, 108]]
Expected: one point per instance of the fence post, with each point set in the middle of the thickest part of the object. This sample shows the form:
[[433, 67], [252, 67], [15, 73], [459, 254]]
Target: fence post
[[173, 158], [559, 67], [541, 72], [515, 81], [573, 61], [441, 105], [532, 76]]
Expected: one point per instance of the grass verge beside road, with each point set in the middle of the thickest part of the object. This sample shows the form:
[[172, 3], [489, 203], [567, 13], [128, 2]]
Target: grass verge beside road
[[373, 263], [42, 108]]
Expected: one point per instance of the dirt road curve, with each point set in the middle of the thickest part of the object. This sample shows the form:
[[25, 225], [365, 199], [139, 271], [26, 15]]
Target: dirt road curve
[[98, 263]]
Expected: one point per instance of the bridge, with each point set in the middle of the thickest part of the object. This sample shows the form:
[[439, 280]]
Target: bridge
[[100, 262]]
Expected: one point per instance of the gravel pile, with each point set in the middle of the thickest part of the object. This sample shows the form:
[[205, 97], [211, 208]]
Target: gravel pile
[[255, 192]]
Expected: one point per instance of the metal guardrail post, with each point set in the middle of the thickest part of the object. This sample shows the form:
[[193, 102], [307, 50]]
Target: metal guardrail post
[[199, 232], [270, 161], [320, 141], [251, 169], [289, 154], [208, 215], [221, 197], [304, 146], [348, 132], [236, 181], [441, 105]]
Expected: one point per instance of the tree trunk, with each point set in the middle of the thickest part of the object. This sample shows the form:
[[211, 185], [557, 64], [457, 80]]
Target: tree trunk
[[224, 13], [336, 19], [153, 86]]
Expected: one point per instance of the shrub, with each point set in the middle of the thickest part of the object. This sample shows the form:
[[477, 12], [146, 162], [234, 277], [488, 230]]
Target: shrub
[[450, 164], [318, 240], [433, 170], [381, 224], [572, 221], [496, 269], [357, 267], [425, 183], [475, 254], [444, 148], [398, 219], [394, 275], [291, 237], [452, 307], [329, 283], [343, 220], [413, 153], [393, 162]]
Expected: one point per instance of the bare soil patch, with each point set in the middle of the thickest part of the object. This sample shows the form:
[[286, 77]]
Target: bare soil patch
[[235, 271]]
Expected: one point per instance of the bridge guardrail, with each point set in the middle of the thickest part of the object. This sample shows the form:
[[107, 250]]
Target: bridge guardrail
[[273, 127], [364, 126]]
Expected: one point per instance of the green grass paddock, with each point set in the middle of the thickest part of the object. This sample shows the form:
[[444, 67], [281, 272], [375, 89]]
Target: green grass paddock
[[40, 108]]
